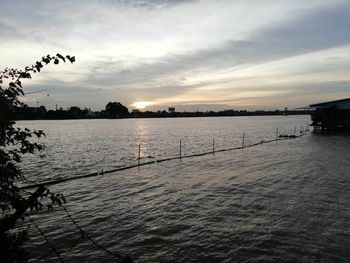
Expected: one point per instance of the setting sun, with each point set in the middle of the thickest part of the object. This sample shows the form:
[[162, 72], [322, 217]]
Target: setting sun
[[142, 104]]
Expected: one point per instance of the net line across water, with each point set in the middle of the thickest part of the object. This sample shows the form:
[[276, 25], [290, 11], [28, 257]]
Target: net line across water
[[179, 157]]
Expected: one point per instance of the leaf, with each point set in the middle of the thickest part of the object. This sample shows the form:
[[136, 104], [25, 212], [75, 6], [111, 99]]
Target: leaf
[[56, 61], [25, 75], [61, 57], [71, 59], [38, 64], [46, 60]]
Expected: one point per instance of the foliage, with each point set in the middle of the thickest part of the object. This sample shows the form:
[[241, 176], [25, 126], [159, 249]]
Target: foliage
[[116, 109], [14, 143]]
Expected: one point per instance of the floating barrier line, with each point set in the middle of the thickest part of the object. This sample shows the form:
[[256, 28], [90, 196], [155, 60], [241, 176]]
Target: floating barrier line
[[57, 181], [83, 235], [58, 255]]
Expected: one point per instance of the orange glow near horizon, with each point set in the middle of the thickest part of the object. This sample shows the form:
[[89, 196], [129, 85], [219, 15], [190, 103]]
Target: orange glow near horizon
[[142, 104]]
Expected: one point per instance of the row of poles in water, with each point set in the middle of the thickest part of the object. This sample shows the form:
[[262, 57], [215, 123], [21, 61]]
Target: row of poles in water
[[180, 156], [303, 130]]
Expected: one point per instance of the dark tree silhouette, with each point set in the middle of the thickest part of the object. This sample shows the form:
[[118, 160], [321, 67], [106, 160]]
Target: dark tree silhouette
[[116, 110], [75, 112], [15, 142]]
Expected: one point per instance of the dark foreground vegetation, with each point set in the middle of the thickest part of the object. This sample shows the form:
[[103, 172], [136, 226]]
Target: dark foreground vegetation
[[16, 203], [14, 143]]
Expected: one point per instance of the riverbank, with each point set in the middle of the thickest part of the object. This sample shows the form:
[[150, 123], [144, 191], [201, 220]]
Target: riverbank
[[67, 115]]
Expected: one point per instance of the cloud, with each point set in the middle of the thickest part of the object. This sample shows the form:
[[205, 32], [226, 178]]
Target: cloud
[[184, 51], [66, 95], [320, 30], [147, 4]]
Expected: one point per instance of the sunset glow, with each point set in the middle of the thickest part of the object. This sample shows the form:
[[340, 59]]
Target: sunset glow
[[142, 104]]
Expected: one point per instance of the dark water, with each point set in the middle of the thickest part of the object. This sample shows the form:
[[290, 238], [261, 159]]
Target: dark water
[[76, 147], [281, 202]]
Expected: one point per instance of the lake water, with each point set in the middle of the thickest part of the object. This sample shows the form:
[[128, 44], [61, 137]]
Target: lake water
[[279, 202]]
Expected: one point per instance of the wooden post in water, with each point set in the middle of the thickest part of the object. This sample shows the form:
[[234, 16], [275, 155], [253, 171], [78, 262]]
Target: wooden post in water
[[295, 130], [139, 157], [276, 134], [180, 151], [243, 140], [213, 146]]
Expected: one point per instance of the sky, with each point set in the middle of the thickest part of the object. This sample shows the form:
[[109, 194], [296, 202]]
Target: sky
[[203, 55]]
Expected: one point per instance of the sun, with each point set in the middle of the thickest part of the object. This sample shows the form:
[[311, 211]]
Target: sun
[[142, 104]]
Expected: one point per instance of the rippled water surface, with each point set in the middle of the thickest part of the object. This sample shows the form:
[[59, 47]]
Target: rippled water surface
[[279, 202]]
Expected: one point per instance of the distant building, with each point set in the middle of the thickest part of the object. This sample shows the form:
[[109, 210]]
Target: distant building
[[171, 109], [135, 111], [331, 115]]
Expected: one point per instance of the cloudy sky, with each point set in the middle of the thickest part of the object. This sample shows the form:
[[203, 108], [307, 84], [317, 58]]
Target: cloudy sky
[[207, 54]]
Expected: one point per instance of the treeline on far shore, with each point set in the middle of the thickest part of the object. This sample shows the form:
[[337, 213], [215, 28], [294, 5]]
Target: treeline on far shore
[[115, 110]]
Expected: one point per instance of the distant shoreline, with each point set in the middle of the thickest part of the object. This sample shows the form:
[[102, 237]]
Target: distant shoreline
[[167, 115]]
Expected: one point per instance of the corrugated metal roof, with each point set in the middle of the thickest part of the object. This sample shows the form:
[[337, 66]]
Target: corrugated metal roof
[[338, 104]]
